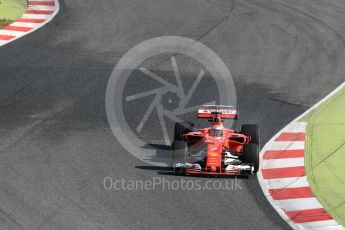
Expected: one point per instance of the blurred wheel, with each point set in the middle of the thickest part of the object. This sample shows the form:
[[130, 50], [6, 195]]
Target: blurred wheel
[[251, 155], [253, 131], [178, 152], [182, 127]]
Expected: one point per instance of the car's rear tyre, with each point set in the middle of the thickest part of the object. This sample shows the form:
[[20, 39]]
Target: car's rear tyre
[[251, 155], [182, 127], [253, 131], [178, 152]]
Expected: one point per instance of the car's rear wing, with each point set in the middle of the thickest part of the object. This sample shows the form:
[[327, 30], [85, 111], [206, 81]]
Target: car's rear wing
[[224, 111]]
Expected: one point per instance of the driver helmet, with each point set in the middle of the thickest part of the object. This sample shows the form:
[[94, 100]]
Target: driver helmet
[[216, 131]]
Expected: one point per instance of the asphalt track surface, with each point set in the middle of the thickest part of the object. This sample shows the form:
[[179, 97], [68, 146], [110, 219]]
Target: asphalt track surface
[[56, 145]]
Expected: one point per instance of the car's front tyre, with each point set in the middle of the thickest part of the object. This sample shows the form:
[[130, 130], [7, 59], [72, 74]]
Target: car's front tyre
[[182, 127], [178, 152], [253, 131], [251, 155]]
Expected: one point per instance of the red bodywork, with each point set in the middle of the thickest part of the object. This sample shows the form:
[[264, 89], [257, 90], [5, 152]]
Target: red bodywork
[[230, 141]]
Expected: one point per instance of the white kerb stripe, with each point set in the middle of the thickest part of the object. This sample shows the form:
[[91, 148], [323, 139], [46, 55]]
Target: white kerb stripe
[[34, 7], [26, 24], [298, 204], [296, 127], [41, 1], [291, 182], [36, 16], [11, 33], [322, 225], [2, 42], [286, 145], [283, 163]]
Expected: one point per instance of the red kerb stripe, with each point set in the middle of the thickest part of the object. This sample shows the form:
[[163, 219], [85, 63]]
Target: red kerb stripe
[[280, 154], [31, 20], [291, 137], [18, 28], [283, 172], [46, 12], [41, 3], [309, 215], [291, 193], [6, 37]]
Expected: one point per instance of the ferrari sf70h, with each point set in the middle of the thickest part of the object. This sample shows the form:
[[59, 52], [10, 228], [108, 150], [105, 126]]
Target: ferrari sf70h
[[215, 150]]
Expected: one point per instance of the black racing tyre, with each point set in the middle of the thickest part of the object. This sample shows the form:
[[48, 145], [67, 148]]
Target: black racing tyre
[[178, 152], [182, 127], [251, 155], [253, 131]]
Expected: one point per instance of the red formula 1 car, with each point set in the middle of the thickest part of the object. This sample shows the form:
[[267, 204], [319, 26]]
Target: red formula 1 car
[[216, 150]]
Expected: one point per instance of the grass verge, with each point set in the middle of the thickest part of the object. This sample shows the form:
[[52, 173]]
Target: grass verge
[[11, 10], [325, 155]]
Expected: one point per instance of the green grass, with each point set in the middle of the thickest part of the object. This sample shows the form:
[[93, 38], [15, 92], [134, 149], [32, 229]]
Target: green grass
[[11, 10], [325, 155], [4, 22]]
